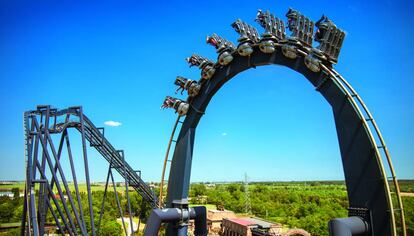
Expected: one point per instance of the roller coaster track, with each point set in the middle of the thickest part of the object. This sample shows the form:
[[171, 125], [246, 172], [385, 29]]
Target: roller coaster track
[[102, 145], [40, 152], [351, 114], [376, 137]]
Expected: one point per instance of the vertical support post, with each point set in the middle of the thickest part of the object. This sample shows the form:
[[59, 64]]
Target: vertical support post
[[45, 112], [27, 151], [68, 227], [23, 222], [75, 181], [65, 183], [127, 191], [30, 185], [104, 198], [179, 181], [55, 217], [50, 164], [117, 202], [85, 158]]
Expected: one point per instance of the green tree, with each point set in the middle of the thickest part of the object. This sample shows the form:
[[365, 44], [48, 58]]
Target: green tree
[[16, 192], [198, 190], [110, 228]]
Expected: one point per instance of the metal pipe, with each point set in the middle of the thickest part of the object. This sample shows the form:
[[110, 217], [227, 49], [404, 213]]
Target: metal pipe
[[348, 226], [159, 216]]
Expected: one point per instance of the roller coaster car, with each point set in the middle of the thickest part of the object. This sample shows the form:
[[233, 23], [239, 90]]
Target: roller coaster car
[[191, 86], [178, 105], [206, 66], [330, 39], [224, 48], [274, 31], [301, 28], [246, 31], [274, 27], [248, 35]]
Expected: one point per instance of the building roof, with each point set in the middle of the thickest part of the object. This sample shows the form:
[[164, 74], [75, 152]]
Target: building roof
[[219, 215], [219, 211], [262, 223], [244, 222]]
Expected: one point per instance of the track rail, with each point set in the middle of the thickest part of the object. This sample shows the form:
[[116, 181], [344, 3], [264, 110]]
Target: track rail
[[368, 185], [166, 161], [369, 118], [102, 145]]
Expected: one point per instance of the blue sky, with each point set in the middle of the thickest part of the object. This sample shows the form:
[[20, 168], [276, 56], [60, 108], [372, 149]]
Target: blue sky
[[119, 61]]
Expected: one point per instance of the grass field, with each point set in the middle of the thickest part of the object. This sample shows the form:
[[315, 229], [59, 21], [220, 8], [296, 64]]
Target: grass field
[[82, 187], [406, 186]]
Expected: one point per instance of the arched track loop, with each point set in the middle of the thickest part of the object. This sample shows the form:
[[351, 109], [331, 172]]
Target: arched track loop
[[366, 178]]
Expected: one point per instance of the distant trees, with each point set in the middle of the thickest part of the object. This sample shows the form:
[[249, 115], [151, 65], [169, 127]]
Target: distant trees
[[308, 206], [302, 205], [6, 214], [16, 192], [11, 209], [295, 205], [198, 190]]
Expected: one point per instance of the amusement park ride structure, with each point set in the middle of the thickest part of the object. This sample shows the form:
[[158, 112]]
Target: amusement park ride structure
[[375, 207]]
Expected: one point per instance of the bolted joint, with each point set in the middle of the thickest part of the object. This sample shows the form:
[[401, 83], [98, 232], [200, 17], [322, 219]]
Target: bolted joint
[[313, 63], [225, 58], [267, 44], [178, 105], [192, 87], [290, 51], [207, 72], [245, 49]]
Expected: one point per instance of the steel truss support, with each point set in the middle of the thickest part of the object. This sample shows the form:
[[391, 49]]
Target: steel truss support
[[48, 189]]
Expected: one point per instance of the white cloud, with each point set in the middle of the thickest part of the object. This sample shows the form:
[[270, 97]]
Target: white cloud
[[223, 134], [112, 123]]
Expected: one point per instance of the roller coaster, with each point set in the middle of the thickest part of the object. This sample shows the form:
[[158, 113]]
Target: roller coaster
[[375, 206]]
